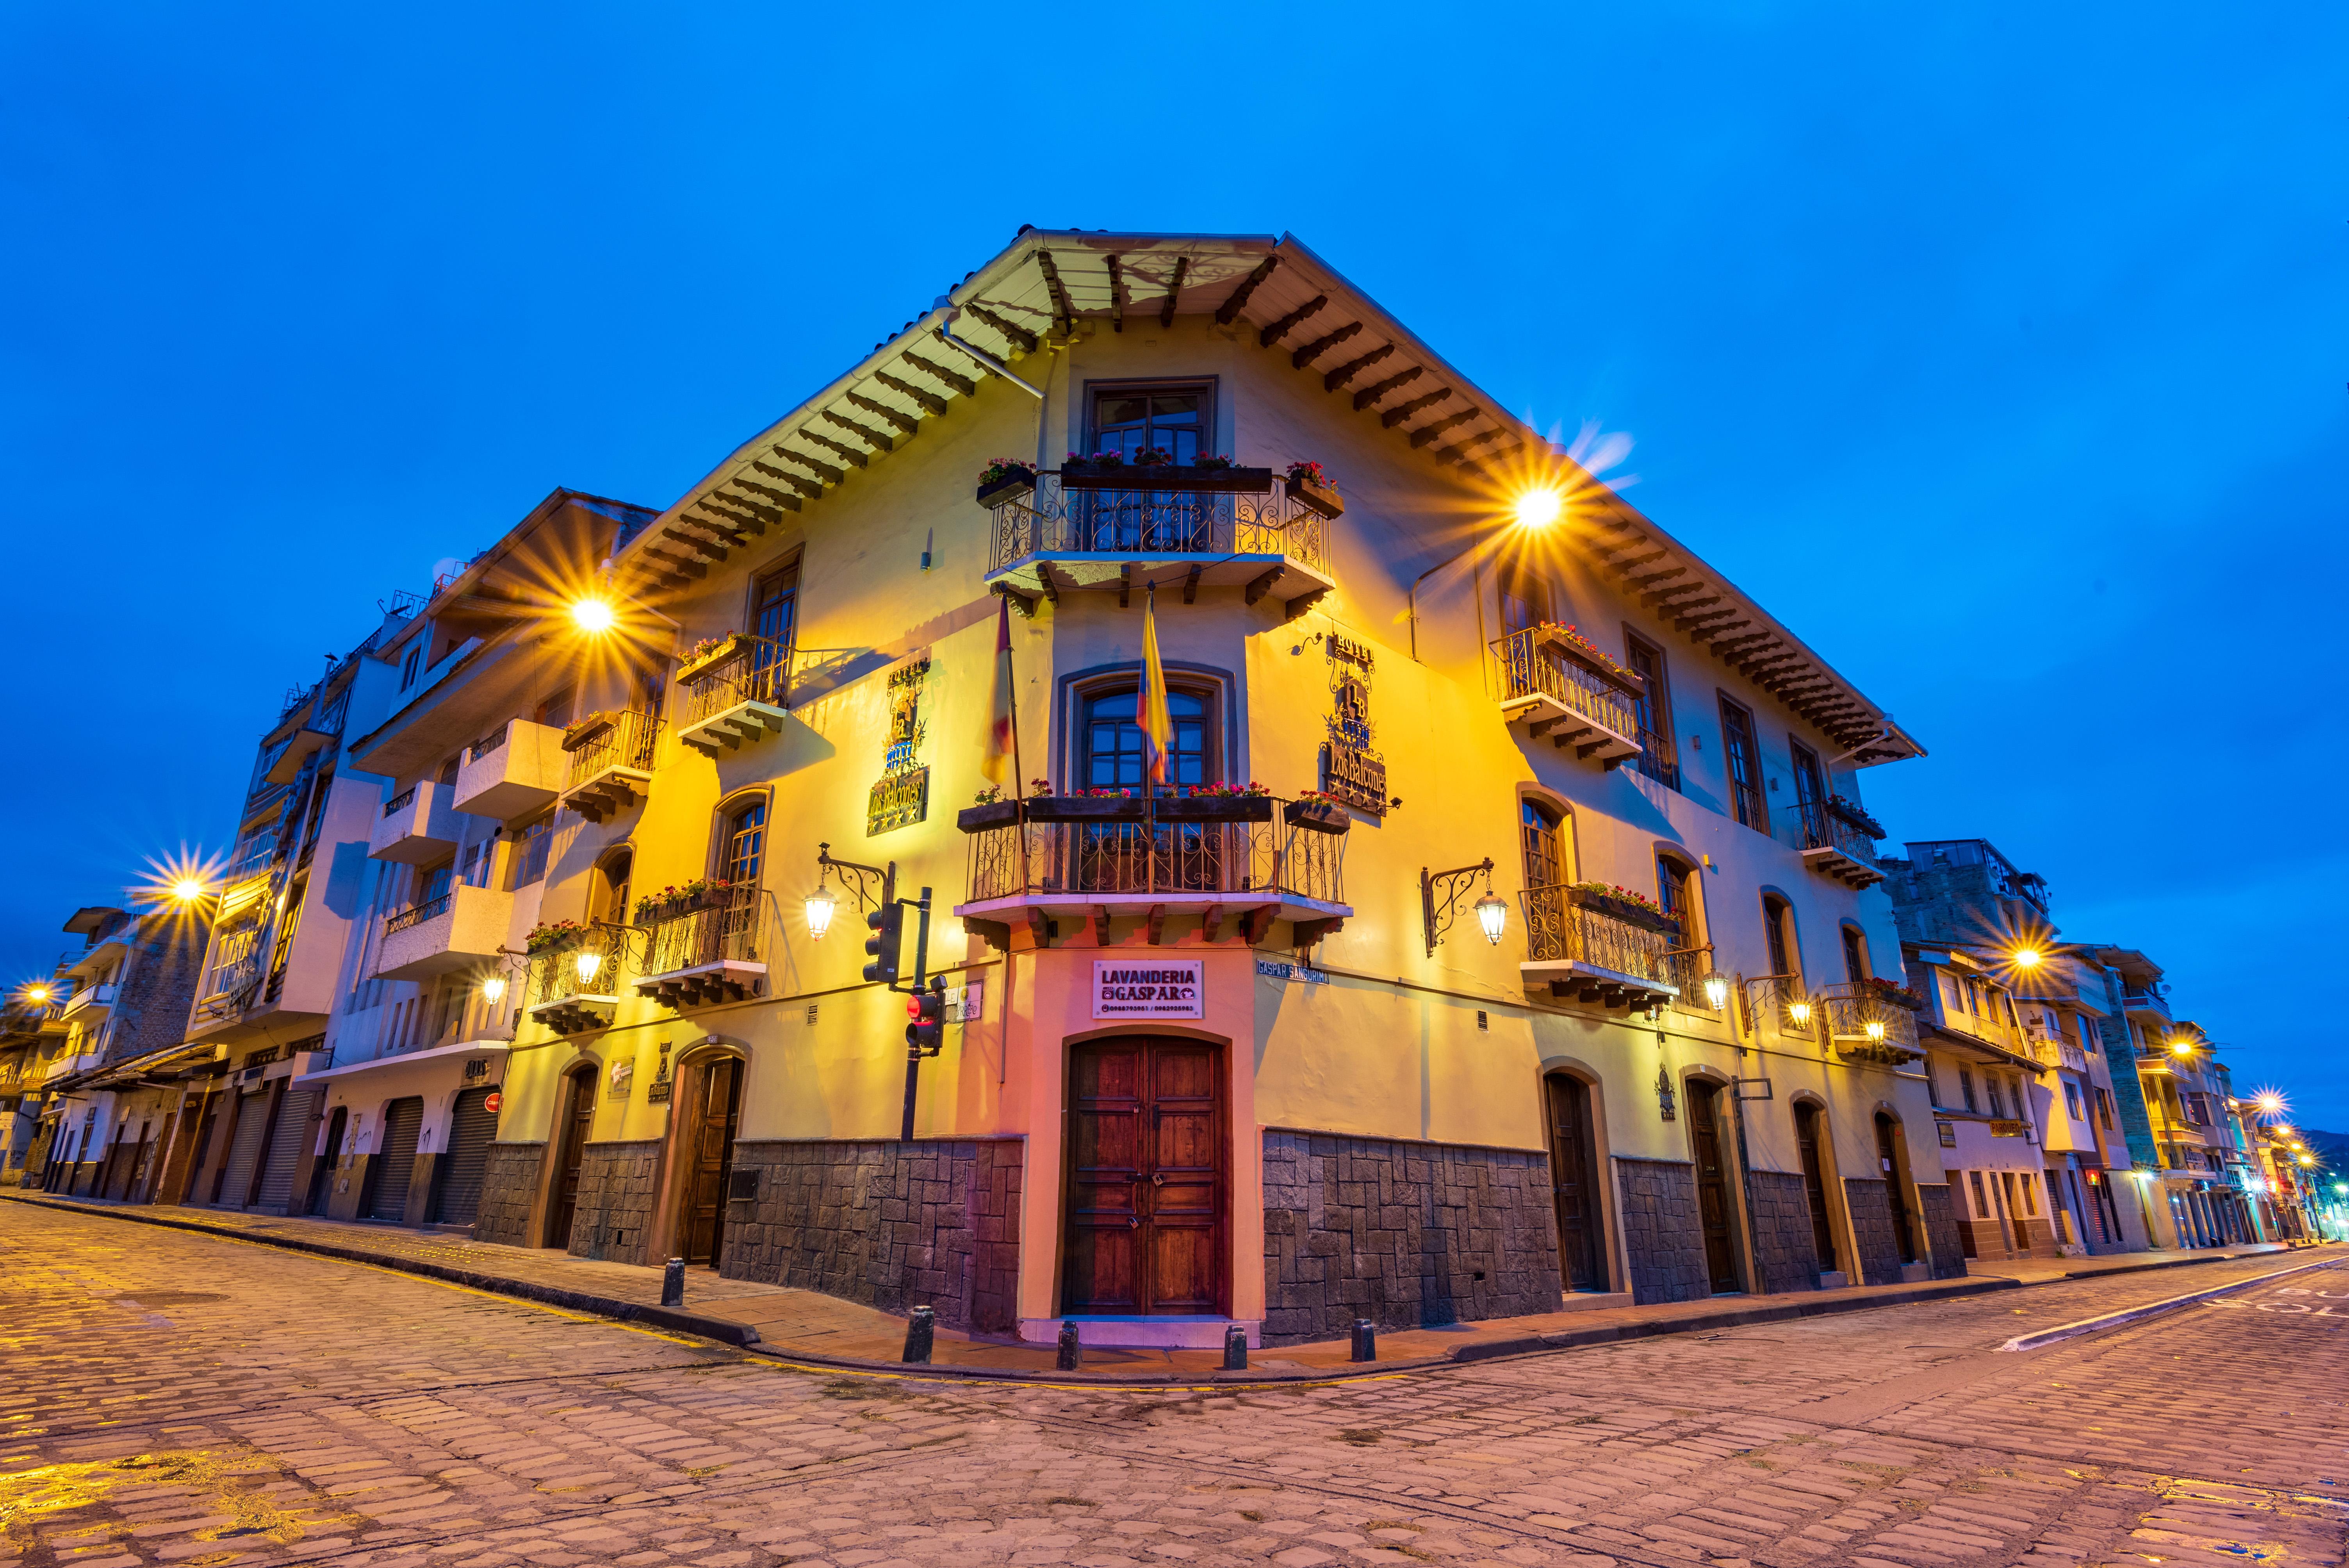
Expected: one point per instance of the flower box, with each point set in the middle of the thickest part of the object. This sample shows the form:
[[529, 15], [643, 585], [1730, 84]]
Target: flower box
[[586, 730], [1624, 681], [1317, 816], [1163, 476], [1213, 808], [703, 662], [1896, 996], [1010, 487], [994, 814], [1315, 497], [1624, 910], [1855, 815], [1086, 808]]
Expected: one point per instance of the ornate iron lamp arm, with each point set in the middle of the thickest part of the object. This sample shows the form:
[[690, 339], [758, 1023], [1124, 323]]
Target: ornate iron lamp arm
[[1440, 893], [864, 877]]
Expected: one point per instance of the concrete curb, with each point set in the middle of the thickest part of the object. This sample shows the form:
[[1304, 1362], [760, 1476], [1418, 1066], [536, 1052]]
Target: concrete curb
[[669, 1317], [2062, 1331]]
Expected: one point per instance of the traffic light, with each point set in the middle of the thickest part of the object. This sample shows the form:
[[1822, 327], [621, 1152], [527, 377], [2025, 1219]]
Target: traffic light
[[928, 1011], [888, 924]]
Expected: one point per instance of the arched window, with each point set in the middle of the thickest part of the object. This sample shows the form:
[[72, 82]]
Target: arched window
[[608, 893], [1541, 839], [744, 845], [1855, 955], [1778, 920], [1111, 739], [1676, 895]]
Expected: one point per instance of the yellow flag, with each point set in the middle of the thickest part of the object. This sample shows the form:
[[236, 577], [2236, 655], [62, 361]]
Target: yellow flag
[[1150, 712]]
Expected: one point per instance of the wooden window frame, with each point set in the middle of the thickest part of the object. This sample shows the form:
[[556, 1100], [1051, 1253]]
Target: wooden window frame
[[1208, 387], [1749, 799]]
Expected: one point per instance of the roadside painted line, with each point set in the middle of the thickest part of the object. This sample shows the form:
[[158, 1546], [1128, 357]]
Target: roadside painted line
[[2046, 1336]]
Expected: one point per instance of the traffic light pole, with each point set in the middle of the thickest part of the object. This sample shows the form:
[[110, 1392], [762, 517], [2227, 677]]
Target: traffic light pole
[[921, 980]]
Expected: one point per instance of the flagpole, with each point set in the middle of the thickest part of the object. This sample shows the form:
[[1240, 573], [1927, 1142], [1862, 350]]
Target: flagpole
[[1018, 773]]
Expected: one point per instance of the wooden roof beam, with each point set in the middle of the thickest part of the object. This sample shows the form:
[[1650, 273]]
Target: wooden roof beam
[[807, 487], [1018, 337], [921, 397], [1229, 311], [1459, 449], [1705, 617], [707, 548], [843, 448], [1280, 329], [1353, 367], [676, 563], [1401, 411], [1064, 314], [1429, 431], [1721, 648], [776, 496], [1321, 345], [824, 472], [1643, 584], [1704, 634], [1370, 395], [865, 433], [944, 376], [1173, 288], [908, 423], [1116, 295]]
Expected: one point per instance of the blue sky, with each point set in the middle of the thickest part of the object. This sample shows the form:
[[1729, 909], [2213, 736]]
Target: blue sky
[[2000, 351]]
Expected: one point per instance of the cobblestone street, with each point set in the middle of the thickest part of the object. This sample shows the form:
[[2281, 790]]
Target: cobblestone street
[[181, 1398]]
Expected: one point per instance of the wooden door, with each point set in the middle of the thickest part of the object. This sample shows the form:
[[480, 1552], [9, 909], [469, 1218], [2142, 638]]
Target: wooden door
[[1714, 1211], [1814, 1184], [1573, 1166], [717, 1111], [1895, 1188], [1146, 1206], [578, 1120]]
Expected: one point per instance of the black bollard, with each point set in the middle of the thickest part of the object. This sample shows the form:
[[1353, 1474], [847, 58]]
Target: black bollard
[[1073, 1349], [673, 1284], [920, 1329], [1235, 1349], [1366, 1340]]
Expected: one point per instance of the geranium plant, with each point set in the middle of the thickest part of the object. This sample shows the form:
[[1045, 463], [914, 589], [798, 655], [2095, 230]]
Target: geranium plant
[[699, 887], [706, 646], [1100, 459], [1152, 458], [1893, 992], [1005, 468], [553, 933], [1219, 791], [1213, 460], [988, 796], [1312, 473], [1573, 634], [1622, 894]]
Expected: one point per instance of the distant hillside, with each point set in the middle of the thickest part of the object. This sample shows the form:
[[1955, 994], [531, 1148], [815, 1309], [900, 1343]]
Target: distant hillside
[[2332, 1148]]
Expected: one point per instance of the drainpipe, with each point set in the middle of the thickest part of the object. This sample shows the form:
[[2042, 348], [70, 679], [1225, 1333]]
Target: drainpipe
[[992, 366]]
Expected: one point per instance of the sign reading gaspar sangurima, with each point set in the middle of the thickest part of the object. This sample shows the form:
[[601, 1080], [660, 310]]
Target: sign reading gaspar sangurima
[[1150, 988]]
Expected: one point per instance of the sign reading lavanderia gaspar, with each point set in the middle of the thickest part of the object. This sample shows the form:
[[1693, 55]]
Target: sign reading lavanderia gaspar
[[1158, 988]]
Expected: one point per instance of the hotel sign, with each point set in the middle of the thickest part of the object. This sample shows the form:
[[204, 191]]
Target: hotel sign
[[901, 797], [1351, 770], [1150, 988]]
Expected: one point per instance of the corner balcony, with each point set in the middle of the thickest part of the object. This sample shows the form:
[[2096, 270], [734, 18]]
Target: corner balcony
[[1081, 528], [610, 765], [1247, 858], [89, 1004], [1836, 846], [416, 827], [704, 949], [575, 984], [1594, 948], [2147, 1004], [1864, 1024], [734, 693], [1565, 692], [510, 772], [461, 929]]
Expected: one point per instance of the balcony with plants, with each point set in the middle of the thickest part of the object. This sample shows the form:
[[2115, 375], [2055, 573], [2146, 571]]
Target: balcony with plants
[[1870, 1020], [1222, 852], [510, 772], [736, 690], [460, 927], [1557, 682], [574, 985], [417, 825], [1838, 839], [1111, 520], [608, 761], [1596, 942], [703, 944]]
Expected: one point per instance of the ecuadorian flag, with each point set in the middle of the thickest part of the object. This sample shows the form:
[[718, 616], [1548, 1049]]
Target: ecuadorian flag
[[1150, 712]]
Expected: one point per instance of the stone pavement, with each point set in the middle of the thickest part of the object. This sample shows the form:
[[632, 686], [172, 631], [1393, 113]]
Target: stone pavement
[[2038, 1271], [178, 1398], [804, 1324]]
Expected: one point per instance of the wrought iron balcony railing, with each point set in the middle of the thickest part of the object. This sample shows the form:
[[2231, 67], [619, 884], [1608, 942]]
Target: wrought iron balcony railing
[[1861, 1023], [1534, 665], [418, 914], [758, 669], [1815, 826], [1146, 522], [1558, 930], [584, 969], [625, 740], [1149, 856], [718, 927]]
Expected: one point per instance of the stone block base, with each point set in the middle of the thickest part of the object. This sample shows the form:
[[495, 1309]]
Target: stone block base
[[617, 1182], [1938, 1207], [1785, 1250], [1662, 1232], [509, 1188]]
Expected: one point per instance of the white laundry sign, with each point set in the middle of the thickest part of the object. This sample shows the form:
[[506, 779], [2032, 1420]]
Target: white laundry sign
[[1150, 988]]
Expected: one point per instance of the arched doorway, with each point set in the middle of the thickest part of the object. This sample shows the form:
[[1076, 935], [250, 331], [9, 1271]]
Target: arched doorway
[[1810, 1134], [578, 1118], [1574, 1180], [1146, 1227], [712, 1120], [1892, 1158], [1715, 1213]]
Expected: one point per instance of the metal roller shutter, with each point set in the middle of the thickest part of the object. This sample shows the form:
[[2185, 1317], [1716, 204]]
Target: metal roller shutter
[[295, 1128], [244, 1154], [472, 1125], [401, 1122]]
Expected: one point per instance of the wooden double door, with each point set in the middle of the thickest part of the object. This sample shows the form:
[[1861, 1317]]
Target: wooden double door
[[1574, 1185], [1146, 1178], [714, 1118]]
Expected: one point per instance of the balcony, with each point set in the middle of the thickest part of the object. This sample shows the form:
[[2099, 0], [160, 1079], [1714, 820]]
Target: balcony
[[510, 772], [461, 929], [1565, 692], [416, 827], [1836, 846], [575, 985], [1204, 529], [1253, 858], [611, 763], [1863, 1025], [89, 1004], [704, 950], [2148, 1003], [1594, 948], [735, 694]]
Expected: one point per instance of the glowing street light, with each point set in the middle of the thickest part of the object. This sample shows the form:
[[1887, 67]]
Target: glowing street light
[[1800, 1012], [1876, 1029], [820, 905], [593, 616], [2028, 957], [39, 994], [1540, 508], [1716, 991], [2181, 1047], [494, 989], [187, 889], [1492, 914], [587, 964], [2270, 1102]]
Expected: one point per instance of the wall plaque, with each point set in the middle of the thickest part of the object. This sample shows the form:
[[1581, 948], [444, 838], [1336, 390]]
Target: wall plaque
[[1351, 769], [663, 1085], [901, 797], [1150, 988]]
